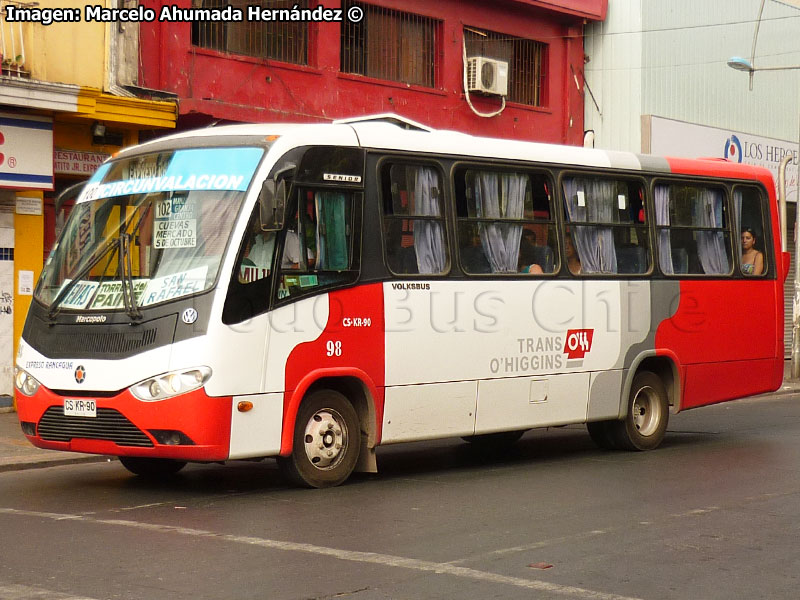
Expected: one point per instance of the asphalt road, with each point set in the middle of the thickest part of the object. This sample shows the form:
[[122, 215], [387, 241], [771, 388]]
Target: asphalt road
[[711, 514]]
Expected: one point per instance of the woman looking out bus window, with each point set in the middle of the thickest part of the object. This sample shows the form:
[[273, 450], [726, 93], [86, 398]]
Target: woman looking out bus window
[[752, 259]]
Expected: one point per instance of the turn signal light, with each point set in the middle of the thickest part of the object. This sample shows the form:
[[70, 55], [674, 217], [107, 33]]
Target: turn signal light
[[244, 406]]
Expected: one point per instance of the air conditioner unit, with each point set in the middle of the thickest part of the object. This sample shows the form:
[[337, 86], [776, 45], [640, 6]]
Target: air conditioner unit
[[487, 76]]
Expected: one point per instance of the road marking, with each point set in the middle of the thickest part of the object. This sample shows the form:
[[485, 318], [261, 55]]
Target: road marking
[[386, 560], [531, 546], [151, 505], [24, 592]]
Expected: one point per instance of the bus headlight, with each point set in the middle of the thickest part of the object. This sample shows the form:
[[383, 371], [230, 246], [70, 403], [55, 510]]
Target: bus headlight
[[171, 384], [25, 382]]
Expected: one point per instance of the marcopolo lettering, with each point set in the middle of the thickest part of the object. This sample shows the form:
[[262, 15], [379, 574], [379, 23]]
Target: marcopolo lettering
[[90, 319]]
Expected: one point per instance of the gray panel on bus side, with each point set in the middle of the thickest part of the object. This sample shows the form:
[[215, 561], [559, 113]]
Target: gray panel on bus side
[[644, 306], [605, 392]]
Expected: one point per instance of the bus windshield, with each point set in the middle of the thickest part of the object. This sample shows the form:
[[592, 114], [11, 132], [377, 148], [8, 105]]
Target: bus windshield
[[148, 229]]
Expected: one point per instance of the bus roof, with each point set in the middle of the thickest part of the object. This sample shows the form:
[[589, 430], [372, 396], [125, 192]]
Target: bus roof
[[396, 133]]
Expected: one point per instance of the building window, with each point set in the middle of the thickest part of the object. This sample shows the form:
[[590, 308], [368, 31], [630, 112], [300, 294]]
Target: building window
[[390, 44], [525, 58], [283, 40]]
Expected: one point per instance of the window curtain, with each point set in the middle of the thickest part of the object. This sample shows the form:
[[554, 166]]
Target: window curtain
[[661, 198], [500, 196], [711, 244], [331, 231], [428, 235], [594, 244]]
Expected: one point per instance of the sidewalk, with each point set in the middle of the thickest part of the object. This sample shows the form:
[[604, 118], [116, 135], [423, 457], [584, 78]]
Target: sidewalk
[[16, 453]]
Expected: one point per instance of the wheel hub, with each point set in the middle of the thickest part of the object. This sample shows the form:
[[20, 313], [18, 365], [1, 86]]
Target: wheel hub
[[325, 439], [645, 411]]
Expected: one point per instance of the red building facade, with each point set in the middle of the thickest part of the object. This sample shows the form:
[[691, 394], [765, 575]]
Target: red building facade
[[404, 57]]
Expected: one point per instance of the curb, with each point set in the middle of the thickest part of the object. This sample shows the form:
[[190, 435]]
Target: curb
[[37, 462]]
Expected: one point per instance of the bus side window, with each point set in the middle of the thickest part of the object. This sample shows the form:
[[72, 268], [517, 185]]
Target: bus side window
[[692, 230], [413, 220], [255, 261], [318, 243], [608, 225], [747, 205], [505, 222]]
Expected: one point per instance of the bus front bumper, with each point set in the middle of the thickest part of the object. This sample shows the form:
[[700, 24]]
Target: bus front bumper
[[192, 426]]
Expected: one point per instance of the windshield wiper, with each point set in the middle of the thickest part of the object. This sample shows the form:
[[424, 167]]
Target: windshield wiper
[[111, 244], [126, 276], [126, 270]]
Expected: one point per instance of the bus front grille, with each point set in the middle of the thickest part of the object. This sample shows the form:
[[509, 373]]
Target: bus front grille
[[109, 424]]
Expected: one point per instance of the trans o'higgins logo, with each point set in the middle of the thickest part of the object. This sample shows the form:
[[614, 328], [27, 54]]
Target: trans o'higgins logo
[[80, 374], [578, 343], [733, 149]]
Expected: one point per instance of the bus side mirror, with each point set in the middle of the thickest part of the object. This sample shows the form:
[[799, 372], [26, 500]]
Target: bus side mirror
[[272, 199], [272, 204]]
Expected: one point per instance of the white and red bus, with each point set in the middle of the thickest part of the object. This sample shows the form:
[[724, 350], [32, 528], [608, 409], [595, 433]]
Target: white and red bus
[[311, 292]]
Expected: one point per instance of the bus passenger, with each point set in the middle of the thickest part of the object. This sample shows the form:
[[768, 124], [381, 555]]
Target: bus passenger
[[573, 260], [528, 252], [752, 259], [291, 252], [257, 261]]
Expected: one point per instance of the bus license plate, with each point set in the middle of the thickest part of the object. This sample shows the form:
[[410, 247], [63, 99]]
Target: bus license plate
[[79, 408]]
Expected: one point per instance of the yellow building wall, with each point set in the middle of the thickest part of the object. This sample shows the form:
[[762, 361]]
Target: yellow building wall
[[28, 256], [77, 135], [73, 53]]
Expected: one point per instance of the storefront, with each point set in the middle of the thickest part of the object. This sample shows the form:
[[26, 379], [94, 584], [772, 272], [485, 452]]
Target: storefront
[[26, 171], [40, 155]]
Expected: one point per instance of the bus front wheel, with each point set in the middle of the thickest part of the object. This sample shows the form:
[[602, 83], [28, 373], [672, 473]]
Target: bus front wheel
[[151, 468], [327, 441], [645, 422]]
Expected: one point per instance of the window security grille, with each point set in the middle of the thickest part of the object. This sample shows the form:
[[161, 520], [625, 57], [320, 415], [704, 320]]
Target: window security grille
[[525, 58], [390, 44], [285, 41]]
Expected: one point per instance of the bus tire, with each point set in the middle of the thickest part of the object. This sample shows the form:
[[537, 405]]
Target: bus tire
[[645, 422], [602, 434], [327, 441], [151, 468]]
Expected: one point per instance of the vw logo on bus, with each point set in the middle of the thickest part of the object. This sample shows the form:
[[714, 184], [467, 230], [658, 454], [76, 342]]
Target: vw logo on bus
[[189, 316]]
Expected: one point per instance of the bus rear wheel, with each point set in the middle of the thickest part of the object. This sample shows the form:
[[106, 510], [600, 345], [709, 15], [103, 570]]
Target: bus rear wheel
[[645, 422], [151, 468], [327, 440]]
